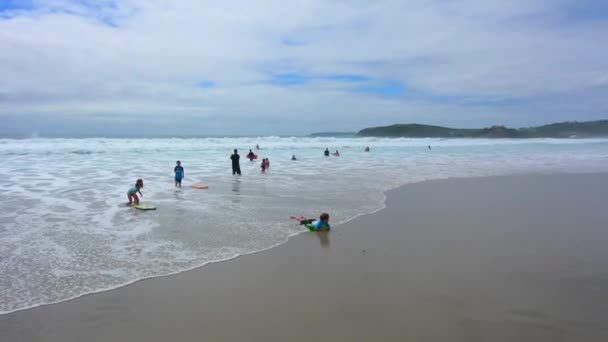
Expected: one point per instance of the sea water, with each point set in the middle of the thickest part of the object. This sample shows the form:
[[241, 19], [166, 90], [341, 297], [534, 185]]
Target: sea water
[[65, 230]]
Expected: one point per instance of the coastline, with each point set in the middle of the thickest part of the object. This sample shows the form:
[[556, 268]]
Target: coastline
[[428, 269]]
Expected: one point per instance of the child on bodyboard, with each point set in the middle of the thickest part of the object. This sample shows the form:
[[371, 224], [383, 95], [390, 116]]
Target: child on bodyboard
[[312, 224], [132, 193]]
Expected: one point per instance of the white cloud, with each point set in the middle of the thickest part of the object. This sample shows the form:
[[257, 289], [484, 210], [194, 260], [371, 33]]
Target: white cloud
[[145, 58]]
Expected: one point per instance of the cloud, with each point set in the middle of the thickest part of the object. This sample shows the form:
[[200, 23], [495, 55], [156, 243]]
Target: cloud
[[292, 65]]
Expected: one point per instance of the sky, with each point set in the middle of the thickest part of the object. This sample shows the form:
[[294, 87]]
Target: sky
[[270, 67]]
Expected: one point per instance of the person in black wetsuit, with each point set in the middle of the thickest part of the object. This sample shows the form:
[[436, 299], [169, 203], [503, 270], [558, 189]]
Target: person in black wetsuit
[[326, 153], [236, 167]]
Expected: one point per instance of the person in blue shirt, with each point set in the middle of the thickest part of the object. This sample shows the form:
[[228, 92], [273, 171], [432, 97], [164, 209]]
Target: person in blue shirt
[[314, 225], [179, 174], [132, 192]]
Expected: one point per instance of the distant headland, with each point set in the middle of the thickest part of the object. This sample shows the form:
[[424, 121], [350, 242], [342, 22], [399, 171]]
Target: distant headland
[[569, 129]]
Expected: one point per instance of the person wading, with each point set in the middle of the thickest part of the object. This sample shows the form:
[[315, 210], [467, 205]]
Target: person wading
[[236, 167]]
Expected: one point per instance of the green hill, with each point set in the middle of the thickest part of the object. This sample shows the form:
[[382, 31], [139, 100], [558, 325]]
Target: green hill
[[557, 130], [569, 129], [414, 131]]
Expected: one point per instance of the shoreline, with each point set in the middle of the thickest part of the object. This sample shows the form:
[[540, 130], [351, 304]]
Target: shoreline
[[382, 207], [118, 287], [134, 292]]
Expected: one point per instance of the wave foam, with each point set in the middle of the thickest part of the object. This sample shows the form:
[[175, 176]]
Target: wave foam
[[64, 222]]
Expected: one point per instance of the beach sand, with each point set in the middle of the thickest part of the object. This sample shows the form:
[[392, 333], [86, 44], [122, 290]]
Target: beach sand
[[516, 258]]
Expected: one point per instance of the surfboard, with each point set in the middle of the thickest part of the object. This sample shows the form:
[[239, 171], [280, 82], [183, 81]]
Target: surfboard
[[144, 206], [199, 186]]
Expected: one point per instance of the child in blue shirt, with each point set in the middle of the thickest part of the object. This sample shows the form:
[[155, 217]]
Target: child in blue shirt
[[179, 174], [132, 193], [314, 225]]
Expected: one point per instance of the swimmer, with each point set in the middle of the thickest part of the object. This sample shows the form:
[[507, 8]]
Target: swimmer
[[251, 155]]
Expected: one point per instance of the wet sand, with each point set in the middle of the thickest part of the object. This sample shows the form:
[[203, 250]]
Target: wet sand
[[518, 258]]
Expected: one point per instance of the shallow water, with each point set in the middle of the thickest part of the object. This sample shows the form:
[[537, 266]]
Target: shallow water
[[65, 231]]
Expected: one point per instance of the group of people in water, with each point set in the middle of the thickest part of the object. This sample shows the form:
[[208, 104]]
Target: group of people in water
[[312, 224], [321, 224], [337, 153], [326, 153], [236, 165], [236, 170], [265, 165]]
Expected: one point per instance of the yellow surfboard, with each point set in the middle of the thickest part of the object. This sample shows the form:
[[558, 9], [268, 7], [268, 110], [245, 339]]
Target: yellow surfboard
[[144, 206]]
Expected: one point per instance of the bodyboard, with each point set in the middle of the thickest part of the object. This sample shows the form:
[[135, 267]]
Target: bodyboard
[[144, 206]]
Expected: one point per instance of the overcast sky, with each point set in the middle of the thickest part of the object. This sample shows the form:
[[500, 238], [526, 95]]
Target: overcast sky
[[295, 67]]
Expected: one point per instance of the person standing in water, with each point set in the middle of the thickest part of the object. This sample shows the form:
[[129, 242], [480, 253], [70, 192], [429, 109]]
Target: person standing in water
[[326, 153], [236, 167], [264, 166], [179, 174]]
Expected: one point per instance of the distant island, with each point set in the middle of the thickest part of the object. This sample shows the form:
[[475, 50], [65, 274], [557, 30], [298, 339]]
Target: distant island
[[569, 129]]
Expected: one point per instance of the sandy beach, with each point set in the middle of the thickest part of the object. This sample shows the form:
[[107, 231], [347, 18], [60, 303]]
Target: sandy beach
[[514, 258]]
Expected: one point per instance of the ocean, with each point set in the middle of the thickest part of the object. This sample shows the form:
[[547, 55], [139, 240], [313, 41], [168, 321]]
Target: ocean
[[65, 230]]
